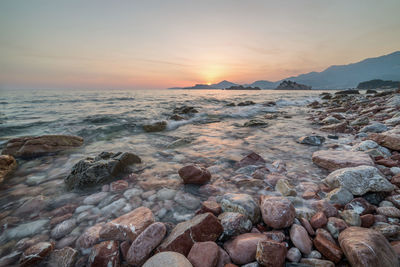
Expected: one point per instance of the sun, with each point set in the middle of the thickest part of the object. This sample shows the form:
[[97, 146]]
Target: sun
[[208, 83]]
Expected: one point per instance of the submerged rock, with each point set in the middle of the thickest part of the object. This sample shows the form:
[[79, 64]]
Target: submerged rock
[[35, 254], [185, 110], [312, 140], [193, 174], [31, 146], [242, 249], [335, 159], [366, 247], [251, 159], [359, 180], [105, 254], [64, 257], [7, 165], [155, 127], [101, 169], [241, 203], [255, 123]]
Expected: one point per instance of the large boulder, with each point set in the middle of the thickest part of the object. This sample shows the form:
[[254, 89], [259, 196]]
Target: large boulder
[[35, 146], [359, 180], [7, 165], [365, 247], [202, 228], [335, 159], [241, 203], [389, 139], [101, 169], [128, 226], [277, 212]]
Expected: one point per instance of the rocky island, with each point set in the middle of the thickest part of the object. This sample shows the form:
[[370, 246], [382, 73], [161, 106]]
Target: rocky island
[[289, 85]]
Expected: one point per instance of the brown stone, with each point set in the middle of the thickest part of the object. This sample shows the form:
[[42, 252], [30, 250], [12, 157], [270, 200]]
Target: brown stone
[[90, 237], [396, 247], [145, 243], [300, 238], [273, 178], [367, 247], [223, 258], [396, 180], [335, 128], [118, 186], [335, 159], [387, 162], [328, 249], [389, 212], [367, 220], [204, 254], [277, 212], [306, 224], [318, 220], [105, 254], [203, 227], [65, 257], [271, 253], [7, 165], [324, 206], [29, 146], [251, 159], [59, 219], [316, 262], [69, 208], [278, 236], [124, 247], [35, 254], [242, 249], [389, 139], [193, 174], [210, 206], [127, 226]]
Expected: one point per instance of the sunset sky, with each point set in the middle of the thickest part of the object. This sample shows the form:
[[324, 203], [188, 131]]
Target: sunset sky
[[158, 44]]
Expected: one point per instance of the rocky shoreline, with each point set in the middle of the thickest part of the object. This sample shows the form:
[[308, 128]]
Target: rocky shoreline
[[351, 217]]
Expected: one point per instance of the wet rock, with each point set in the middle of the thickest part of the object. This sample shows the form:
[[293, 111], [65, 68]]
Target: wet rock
[[145, 243], [203, 227], [395, 200], [300, 238], [90, 237], [360, 121], [319, 220], [114, 207], [31, 207], [335, 226], [234, 223], [101, 169], [393, 121], [185, 110], [67, 241], [360, 206], [374, 128], [105, 254], [386, 229], [168, 259], [335, 128], [63, 229], [389, 139], [155, 127], [316, 262], [246, 103], [366, 247], [271, 253], [285, 188], [334, 159], [242, 249], [187, 200], [204, 254], [367, 220], [324, 206], [277, 212], [241, 203], [95, 199], [340, 196], [251, 159], [312, 140], [35, 254], [24, 230], [389, 211], [351, 217], [30, 146], [128, 226], [65, 257], [193, 174], [7, 165], [359, 180], [134, 192], [372, 148], [223, 258], [10, 259], [118, 186], [330, 120], [210, 206], [293, 254]]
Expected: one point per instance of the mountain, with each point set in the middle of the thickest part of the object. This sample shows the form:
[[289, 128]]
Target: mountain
[[349, 76], [264, 84], [377, 84], [221, 85]]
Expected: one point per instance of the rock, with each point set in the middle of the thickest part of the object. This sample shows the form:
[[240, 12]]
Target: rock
[[389, 211], [105, 254], [168, 259], [335, 226], [31, 207], [155, 127], [24, 230], [333, 159], [246, 103], [324, 206], [101, 169], [128, 226], [65, 257], [335, 128], [187, 200], [366, 247], [119, 186], [203, 227], [312, 140], [223, 258], [63, 229], [293, 254], [367, 220], [35, 254], [374, 128], [372, 148], [330, 120], [290, 85], [210, 206], [351, 217], [277, 212], [10, 259], [134, 192], [234, 223], [271, 253], [251, 159], [319, 220], [300, 238], [7, 165], [393, 121], [389, 139], [31, 146], [285, 188], [193, 174], [114, 207], [340, 196], [176, 117], [95, 199], [242, 249], [316, 263], [359, 180], [360, 121], [145, 243], [360, 206], [241, 203], [185, 110], [90, 237], [348, 92], [315, 254], [204, 254]]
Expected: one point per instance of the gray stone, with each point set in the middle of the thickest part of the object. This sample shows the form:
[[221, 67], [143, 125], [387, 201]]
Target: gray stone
[[168, 259], [187, 200], [24, 230], [62, 229], [241, 203], [376, 127], [312, 140], [340, 196]]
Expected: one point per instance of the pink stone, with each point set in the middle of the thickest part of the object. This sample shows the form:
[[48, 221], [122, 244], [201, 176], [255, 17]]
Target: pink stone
[[300, 238]]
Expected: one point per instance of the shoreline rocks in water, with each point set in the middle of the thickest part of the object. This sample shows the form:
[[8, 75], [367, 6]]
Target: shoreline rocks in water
[[7, 165], [36, 146]]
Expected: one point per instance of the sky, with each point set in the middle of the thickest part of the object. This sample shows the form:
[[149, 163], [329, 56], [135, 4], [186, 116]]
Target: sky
[[152, 44]]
